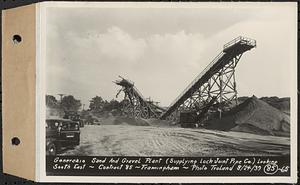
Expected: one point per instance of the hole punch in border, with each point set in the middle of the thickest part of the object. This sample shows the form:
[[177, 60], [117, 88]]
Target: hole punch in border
[[17, 39], [15, 141]]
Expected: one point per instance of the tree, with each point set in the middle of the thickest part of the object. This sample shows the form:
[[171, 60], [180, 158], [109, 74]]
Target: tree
[[96, 104], [51, 102], [113, 104], [69, 103], [124, 103]]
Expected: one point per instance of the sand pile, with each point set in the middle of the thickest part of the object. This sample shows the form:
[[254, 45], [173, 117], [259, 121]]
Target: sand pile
[[282, 104], [253, 116], [121, 120], [107, 120]]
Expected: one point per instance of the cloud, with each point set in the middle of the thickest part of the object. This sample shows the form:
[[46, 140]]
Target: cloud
[[92, 62], [84, 62], [117, 44]]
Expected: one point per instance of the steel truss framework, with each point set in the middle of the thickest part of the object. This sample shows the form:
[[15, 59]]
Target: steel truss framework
[[220, 88], [221, 85], [215, 87], [134, 105]]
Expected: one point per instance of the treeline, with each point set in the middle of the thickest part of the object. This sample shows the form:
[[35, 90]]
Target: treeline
[[69, 103], [98, 105]]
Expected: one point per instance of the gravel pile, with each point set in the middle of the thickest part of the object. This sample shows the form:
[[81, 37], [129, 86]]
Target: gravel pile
[[254, 116]]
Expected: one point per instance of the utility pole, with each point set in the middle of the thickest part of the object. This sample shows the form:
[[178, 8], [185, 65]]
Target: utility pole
[[61, 97]]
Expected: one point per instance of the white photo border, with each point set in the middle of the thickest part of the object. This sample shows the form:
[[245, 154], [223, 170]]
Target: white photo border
[[41, 112]]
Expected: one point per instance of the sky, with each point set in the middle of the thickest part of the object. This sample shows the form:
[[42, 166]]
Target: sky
[[163, 49]]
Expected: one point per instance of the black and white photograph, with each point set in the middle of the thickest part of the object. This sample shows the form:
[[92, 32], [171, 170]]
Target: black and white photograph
[[206, 86]]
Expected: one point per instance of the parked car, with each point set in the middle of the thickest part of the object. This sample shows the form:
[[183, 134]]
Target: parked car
[[92, 120], [61, 133], [74, 116]]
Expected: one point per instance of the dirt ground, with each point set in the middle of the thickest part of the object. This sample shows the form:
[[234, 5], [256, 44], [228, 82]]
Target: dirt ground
[[128, 140]]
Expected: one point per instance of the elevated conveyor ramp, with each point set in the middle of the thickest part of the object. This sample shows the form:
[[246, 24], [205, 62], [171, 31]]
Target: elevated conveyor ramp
[[216, 80], [135, 104]]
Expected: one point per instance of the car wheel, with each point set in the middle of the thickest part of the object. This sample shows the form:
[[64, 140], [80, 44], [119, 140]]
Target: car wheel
[[52, 149]]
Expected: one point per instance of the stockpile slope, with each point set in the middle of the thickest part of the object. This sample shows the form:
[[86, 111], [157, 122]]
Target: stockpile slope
[[282, 104], [122, 120], [254, 116]]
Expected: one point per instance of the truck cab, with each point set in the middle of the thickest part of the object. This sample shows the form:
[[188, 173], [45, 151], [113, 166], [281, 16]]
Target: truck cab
[[61, 133]]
